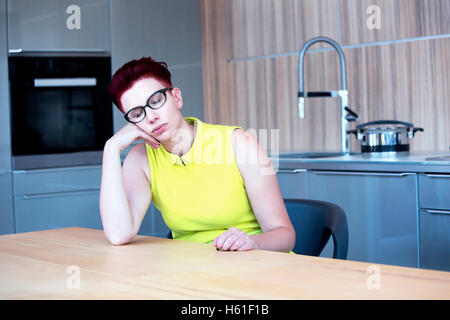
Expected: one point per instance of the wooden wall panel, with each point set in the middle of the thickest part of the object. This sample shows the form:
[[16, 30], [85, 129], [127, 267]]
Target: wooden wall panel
[[405, 81], [262, 27], [265, 91], [399, 19], [215, 53]]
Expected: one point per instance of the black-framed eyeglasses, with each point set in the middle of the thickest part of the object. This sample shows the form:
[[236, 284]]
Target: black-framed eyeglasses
[[156, 101]]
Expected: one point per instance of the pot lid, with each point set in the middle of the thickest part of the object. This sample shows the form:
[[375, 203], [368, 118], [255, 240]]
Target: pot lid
[[385, 129], [390, 125]]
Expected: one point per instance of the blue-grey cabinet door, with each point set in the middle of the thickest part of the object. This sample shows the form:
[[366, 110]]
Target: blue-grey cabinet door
[[381, 212], [435, 239], [53, 25], [293, 183], [153, 224], [38, 181], [146, 228], [57, 210], [5, 131], [160, 227], [6, 204]]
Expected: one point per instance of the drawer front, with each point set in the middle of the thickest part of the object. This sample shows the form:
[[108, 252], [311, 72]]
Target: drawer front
[[293, 183], [61, 210], [27, 182], [434, 191], [435, 239]]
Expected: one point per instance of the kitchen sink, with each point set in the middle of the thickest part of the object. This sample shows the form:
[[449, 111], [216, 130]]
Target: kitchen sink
[[310, 155]]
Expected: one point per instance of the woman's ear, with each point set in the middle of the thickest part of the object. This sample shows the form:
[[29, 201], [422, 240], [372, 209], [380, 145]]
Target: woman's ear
[[176, 92]]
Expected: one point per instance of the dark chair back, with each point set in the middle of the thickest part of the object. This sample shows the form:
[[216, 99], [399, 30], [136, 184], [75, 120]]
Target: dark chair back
[[314, 221]]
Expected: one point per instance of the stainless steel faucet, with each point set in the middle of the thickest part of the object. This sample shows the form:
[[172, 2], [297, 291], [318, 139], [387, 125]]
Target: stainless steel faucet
[[342, 93]]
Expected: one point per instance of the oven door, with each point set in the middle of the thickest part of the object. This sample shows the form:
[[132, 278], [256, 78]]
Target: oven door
[[60, 121]]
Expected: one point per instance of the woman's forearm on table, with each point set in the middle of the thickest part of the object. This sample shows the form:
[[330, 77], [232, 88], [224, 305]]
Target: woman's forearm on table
[[277, 239], [115, 212]]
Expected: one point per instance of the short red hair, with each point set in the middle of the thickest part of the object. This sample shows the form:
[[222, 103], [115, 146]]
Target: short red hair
[[134, 70]]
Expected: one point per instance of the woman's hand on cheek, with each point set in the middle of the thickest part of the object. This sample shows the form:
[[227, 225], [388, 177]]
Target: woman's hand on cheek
[[148, 139], [130, 133], [234, 240]]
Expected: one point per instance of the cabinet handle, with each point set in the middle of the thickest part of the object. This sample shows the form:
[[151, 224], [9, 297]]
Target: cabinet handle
[[291, 170], [57, 194], [88, 167], [436, 175], [44, 51], [380, 174], [65, 82], [437, 211]]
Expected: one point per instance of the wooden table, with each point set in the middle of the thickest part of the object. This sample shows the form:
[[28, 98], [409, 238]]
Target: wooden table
[[78, 263]]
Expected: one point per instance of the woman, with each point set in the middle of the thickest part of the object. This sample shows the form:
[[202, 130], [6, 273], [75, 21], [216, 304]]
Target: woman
[[200, 176]]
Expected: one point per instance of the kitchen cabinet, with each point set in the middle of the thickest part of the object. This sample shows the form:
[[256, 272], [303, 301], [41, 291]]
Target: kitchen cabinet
[[67, 197], [381, 210], [57, 210], [153, 224], [59, 25], [6, 208], [293, 183], [435, 239], [57, 180], [5, 131], [57, 198], [160, 227], [434, 191], [434, 202]]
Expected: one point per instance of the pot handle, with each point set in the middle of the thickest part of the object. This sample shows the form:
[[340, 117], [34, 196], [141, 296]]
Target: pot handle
[[406, 124], [416, 129], [354, 131]]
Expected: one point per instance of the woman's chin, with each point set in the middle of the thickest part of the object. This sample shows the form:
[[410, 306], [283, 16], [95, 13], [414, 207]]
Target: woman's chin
[[163, 137]]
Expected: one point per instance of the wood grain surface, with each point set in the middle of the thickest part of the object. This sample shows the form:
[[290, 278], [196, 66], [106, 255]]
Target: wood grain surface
[[261, 27], [37, 265], [399, 19], [250, 68]]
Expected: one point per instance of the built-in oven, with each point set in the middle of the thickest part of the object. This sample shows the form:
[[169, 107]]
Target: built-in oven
[[61, 114]]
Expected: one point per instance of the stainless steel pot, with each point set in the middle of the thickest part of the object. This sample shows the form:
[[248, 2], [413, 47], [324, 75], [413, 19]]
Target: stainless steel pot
[[384, 135]]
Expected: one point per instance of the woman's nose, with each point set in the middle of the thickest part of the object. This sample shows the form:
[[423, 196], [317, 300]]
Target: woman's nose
[[151, 115]]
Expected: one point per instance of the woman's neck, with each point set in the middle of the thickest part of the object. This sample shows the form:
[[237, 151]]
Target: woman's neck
[[182, 139]]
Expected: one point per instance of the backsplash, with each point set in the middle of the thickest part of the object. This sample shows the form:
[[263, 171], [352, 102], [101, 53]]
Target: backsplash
[[397, 62]]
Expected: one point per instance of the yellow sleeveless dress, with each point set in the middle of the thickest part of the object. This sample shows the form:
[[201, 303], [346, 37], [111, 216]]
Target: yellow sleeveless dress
[[201, 194]]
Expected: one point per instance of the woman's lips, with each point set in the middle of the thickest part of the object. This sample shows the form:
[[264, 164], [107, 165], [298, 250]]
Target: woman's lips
[[159, 129]]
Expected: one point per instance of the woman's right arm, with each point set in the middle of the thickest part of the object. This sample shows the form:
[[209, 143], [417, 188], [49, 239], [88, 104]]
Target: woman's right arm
[[125, 192]]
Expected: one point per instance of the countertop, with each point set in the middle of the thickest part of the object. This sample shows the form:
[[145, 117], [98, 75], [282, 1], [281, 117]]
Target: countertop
[[78, 263], [428, 162]]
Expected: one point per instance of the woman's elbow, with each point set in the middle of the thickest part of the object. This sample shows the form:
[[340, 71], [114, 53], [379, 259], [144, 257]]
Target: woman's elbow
[[119, 240], [292, 238]]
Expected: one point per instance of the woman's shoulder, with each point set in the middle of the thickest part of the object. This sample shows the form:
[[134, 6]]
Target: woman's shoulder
[[241, 139], [248, 151]]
